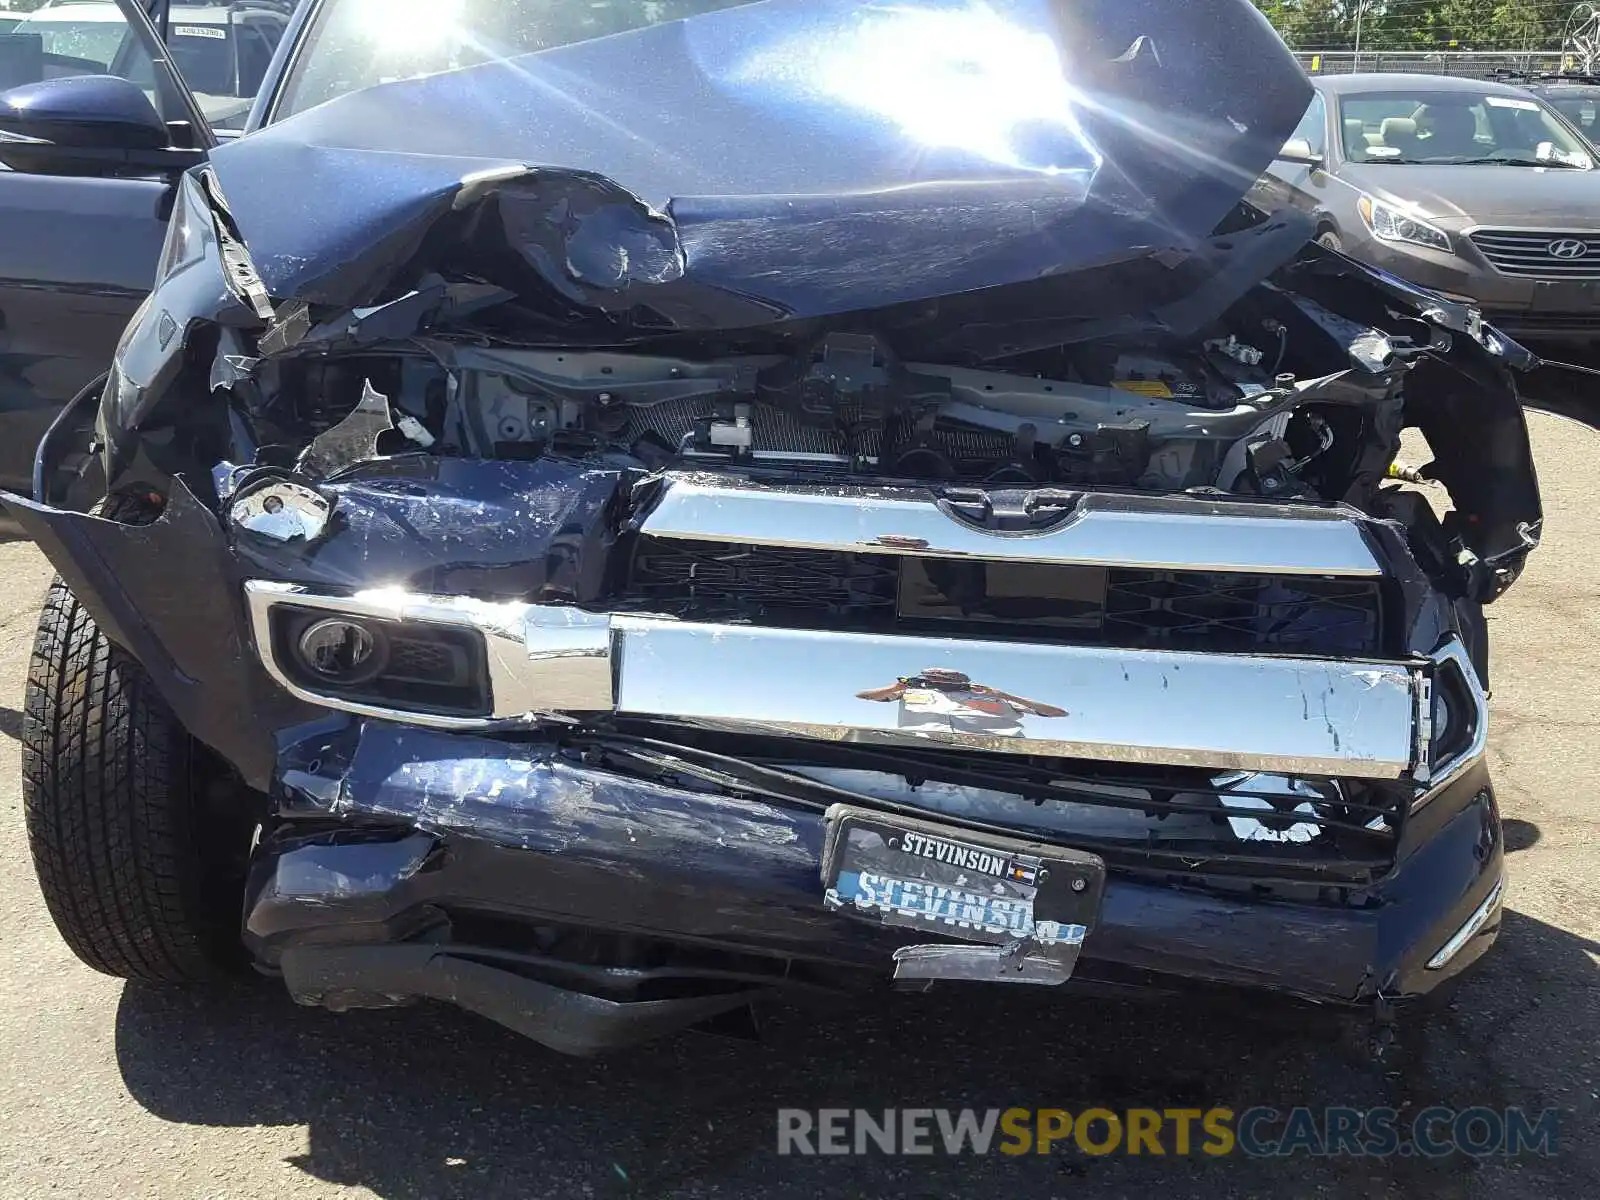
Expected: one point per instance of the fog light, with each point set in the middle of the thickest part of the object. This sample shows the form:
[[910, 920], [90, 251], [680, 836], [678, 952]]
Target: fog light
[[376, 663], [342, 651]]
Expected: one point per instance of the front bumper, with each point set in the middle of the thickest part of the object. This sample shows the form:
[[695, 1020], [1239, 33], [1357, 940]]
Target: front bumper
[[479, 861], [425, 863]]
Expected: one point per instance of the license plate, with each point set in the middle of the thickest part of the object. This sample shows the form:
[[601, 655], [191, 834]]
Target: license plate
[[1029, 905]]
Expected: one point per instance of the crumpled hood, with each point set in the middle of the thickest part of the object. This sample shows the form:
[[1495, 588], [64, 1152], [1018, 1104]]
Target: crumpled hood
[[783, 159]]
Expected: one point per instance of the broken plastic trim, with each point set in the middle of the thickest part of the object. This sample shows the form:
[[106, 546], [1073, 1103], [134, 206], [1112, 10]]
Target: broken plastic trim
[[568, 1021], [1451, 657], [238, 268], [167, 593], [1470, 928]]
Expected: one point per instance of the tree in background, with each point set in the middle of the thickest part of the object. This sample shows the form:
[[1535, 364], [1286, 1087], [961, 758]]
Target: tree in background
[[1324, 24], [1420, 24]]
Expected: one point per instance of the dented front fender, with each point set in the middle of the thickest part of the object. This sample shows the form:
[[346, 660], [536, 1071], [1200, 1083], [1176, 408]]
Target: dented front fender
[[167, 594]]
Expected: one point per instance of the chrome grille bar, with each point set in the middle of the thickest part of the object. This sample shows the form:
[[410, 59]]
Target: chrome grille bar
[[1293, 715], [1101, 529]]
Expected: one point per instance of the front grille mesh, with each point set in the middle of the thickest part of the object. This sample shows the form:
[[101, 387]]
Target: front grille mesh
[[430, 662], [713, 579], [1138, 609], [1541, 254], [1214, 611]]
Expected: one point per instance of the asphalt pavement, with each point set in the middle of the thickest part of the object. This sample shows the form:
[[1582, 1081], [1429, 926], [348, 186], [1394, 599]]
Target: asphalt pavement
[[113, 1090]]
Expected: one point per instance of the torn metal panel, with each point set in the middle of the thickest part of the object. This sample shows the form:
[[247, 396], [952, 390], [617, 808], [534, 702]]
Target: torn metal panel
[[453, 526], [191, 294], [166, 592], [352, 440], [232, 367], [1464, 400], [286, 329], [436, 302]]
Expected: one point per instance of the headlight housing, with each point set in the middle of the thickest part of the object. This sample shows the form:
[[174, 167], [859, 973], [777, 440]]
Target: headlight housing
[[189, 284], [1391, 224]]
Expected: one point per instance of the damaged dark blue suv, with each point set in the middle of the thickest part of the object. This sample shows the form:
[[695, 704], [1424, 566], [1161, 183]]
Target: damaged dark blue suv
[[615, 512]]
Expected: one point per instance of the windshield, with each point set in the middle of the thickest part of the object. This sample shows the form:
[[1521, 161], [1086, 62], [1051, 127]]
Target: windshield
[[90, 42], [1582, 111], [1456, 127], [358, 43]]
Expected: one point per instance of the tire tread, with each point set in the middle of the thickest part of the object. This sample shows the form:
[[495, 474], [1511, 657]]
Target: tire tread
[[106, 800]]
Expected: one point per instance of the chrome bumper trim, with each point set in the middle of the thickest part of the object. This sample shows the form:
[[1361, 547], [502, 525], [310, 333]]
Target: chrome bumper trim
[[1471, 927], [1350, 718], [1300, 716], [1186, 533], [542, 658]]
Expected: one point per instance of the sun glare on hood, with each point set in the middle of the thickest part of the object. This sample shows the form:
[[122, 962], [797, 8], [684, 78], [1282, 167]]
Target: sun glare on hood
[[963, 79], [407, 26]]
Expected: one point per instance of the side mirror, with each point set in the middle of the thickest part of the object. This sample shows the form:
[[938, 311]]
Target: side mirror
[[84, 124], [88, 111], [1299, 150]]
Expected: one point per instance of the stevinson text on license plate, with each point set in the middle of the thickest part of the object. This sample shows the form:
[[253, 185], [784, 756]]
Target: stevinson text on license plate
[[1023, 900]]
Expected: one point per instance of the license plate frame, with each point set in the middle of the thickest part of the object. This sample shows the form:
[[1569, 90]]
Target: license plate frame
[[1030, 903]]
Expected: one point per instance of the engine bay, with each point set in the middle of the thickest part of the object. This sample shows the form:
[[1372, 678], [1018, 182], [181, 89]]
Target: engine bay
[[1223, 413]]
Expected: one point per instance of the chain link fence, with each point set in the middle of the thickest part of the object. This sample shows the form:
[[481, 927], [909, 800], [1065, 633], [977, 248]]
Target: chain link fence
[[1468, 64]]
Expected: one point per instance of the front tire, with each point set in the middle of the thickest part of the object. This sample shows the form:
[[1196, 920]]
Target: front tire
[[113, 790], [1330, 239]]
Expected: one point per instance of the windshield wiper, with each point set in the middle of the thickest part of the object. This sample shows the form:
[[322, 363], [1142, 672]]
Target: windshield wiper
[[1514, 162], [1467, 162]]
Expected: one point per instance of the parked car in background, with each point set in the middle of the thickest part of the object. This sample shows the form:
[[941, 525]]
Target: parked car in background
[[221, 47], [616, 510], [1474, 189], [1575, 97], [77, 254]]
